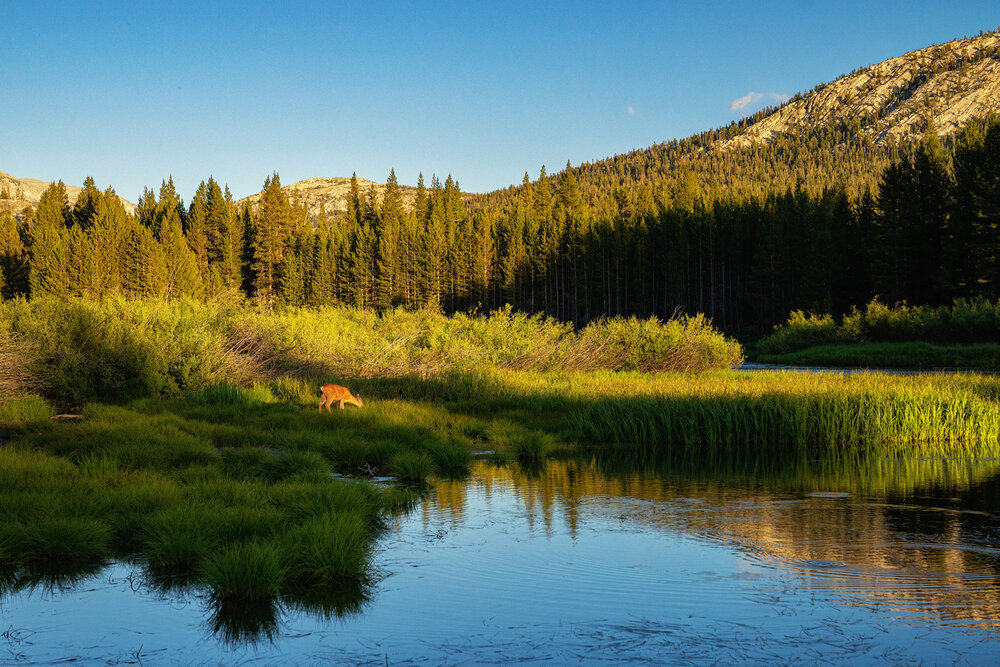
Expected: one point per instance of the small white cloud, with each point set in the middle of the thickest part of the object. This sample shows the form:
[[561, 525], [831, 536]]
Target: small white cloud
[[630, 111], [753, 97], [749, 98]]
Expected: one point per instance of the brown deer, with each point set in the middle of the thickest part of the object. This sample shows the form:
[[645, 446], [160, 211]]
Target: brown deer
[[334, 393]]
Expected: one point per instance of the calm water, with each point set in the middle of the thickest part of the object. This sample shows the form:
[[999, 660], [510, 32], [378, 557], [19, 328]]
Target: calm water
[[884, 563]]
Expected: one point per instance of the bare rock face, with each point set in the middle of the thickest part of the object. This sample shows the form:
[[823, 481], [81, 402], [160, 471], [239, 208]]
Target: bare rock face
[[18, 193], [331, 194], [893, 100]]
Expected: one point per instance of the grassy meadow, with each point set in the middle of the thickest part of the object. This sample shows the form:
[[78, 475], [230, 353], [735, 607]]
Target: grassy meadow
[[197, 448]]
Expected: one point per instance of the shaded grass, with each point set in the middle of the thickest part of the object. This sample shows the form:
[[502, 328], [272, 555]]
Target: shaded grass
[[411, 467], [245, 571], [328, 549], [912, 355]]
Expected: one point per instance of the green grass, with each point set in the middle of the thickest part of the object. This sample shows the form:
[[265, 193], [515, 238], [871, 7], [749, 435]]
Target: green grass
[[246, 571], [25, 408], [411, 467], [329, 548], [747, 415], [904, 355]]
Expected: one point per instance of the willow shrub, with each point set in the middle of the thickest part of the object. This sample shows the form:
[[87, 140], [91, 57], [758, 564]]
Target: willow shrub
[[964, 321], [117, 350], [802, 330]]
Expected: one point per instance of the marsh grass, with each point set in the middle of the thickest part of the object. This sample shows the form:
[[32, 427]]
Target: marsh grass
[[179, 538], [245, 571], [25, 408], [518, 441], [59, 540], [411, 467], [330, 548], [909, 355], [753, 415]]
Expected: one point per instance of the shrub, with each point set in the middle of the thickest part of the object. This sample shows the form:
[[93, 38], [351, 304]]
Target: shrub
[[802, 330]]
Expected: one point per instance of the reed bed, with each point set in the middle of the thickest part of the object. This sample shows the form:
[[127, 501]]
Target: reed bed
[[747, 415]]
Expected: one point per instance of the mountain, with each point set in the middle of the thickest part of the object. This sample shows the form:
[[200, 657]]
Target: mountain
[[332, 193], [17, 193], [949, 84], [843, 133]]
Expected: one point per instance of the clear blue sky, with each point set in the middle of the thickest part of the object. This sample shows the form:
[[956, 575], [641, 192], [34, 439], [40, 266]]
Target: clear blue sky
[[130, 93]]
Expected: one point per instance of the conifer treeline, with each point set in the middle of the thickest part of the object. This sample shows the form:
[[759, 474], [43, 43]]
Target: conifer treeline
[[578, 245]]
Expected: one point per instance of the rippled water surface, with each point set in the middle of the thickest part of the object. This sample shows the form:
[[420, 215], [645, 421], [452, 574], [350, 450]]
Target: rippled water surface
[[879, 563]]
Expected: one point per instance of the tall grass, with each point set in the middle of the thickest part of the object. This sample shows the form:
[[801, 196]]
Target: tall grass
[[748, 415], [118, 350]]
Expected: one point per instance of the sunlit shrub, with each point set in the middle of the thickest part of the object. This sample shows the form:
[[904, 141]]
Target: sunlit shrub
[[802, 330]]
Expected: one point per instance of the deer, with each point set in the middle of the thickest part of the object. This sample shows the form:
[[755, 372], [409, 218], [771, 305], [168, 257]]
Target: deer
[[334, 393]]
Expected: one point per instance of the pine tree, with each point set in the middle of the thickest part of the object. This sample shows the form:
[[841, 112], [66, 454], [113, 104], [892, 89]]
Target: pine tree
[[195, 229], [48, 243], [13, 262], [272, 232], [183, 277], [388, 231], [86, 204]]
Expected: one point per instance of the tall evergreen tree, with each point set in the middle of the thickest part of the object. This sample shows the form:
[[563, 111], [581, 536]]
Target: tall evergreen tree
[[48, 243], [273, 221]]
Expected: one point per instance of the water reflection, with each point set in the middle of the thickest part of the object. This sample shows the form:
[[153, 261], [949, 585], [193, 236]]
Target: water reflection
[[236, 624], [919, 537], [587, 560]]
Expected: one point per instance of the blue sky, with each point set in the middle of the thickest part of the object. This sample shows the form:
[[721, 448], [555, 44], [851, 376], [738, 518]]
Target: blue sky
[[130, 94]]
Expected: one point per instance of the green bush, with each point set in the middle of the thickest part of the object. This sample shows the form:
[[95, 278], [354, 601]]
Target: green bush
[[119, 350], [975, 321], [802, 330]]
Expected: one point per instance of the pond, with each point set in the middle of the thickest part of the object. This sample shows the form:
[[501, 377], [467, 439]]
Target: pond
[[580, 561]]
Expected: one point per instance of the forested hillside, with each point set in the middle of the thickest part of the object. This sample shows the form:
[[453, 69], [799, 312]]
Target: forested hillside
[[821, 211]]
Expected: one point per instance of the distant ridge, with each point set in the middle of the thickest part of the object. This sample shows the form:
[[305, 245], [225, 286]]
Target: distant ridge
[[22, 192], [332, 193]]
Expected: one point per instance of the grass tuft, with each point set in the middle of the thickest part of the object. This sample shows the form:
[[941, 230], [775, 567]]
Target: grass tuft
[[411, 467], [245, 571], [330, 548]]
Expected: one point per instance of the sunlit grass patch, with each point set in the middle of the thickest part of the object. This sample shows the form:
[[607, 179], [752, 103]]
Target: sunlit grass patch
[[25, 408]]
